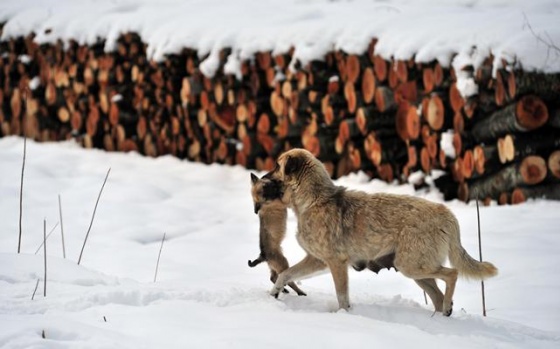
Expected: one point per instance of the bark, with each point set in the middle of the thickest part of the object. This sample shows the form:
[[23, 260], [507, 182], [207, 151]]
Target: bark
[[532, 170], [529, 113]]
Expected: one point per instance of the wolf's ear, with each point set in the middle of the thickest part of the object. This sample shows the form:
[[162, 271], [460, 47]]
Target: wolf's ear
[[293, 165], [254, 178]]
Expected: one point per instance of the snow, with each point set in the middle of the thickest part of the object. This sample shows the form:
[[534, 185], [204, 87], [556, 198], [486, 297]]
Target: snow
[[519, 31], [446, 144], [205, 295]]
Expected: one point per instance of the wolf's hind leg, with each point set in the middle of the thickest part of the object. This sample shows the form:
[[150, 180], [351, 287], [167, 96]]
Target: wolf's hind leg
[[448, 275], [430, 287]]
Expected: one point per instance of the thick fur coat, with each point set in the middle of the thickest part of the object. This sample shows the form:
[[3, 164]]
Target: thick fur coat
[[340, 228]]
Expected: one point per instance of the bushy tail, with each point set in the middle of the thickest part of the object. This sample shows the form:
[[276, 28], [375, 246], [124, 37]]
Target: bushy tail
[[466, 265]]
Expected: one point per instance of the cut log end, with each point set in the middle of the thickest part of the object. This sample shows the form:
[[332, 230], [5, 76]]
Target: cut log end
[[468, 164], [533, 170], [531, 112], [554, 163], [352, 68], [518, 196], [368, 85], [428, 79], [457, 143], [479, 159], [412, 156], [376, 154], [457, 170], [463, 192], [508, 148], [435, 114], [386, 172], [311, 143], [380, 68], [455, 98], [503, 199], [425, 161], [407, 122]]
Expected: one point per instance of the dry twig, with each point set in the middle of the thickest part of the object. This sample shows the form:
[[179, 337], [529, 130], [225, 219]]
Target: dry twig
[[61, 228], [159, 255], [480, 256], [93, 216], [21, 184], [48, 235], [45, 259]]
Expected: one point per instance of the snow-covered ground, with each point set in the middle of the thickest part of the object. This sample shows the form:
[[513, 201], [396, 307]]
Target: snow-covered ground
[[522, 31], [205, 295]]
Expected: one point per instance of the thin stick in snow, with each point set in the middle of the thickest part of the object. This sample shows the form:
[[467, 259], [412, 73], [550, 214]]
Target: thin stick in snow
[[159, 255], [48, 235], [61, 228], [93, 215], [45, 253], [35, 290], [480, 255], [21, 184]]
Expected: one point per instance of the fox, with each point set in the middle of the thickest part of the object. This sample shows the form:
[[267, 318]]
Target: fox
[[273, 214]]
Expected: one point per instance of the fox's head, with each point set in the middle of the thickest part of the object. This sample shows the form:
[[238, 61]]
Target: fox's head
[[265, 191]]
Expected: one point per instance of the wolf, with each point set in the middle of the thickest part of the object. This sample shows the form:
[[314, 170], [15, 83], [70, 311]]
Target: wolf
[[273, 214], [338, 227]]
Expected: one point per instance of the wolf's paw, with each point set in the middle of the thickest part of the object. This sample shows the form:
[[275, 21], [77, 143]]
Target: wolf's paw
[[285, 290], [301, 293], [447, 311], [275, 292]]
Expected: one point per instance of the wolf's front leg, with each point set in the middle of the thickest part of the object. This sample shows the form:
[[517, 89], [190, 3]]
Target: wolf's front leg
[[339, 271], [305, 267]]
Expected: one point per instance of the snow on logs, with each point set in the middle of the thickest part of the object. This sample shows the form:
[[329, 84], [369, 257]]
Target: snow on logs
[[388, 118]]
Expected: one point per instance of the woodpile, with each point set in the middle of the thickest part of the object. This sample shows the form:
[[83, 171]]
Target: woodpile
[[354, 112]]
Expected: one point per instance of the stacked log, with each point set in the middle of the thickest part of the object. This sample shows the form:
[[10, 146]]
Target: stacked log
[[355, 112], [506, 145]]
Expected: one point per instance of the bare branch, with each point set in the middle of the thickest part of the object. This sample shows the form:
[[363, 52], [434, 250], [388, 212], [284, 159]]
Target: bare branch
[[547, 41]]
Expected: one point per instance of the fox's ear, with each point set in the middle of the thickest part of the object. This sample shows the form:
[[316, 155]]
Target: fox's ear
[[293, 165], [254, 178]]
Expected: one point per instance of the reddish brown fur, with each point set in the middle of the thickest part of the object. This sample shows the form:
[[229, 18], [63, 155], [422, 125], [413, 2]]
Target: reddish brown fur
[[273, 215]]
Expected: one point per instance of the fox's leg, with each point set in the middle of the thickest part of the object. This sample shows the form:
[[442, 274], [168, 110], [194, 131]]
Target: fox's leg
[[279, 263], [257, 261]]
